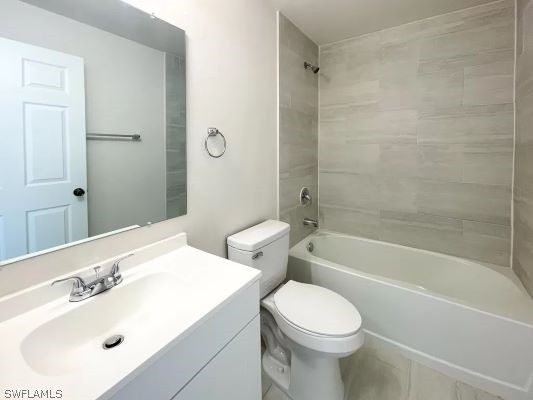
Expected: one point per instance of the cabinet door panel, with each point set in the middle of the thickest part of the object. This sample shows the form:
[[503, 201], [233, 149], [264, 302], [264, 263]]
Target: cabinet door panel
[[235, 372]]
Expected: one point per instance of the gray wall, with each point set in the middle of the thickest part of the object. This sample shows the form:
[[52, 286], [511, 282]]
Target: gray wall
[[523, 188], [298, 127], [416, 133]]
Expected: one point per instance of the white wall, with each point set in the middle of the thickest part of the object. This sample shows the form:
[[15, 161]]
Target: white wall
[[124, 94], [231, 84]]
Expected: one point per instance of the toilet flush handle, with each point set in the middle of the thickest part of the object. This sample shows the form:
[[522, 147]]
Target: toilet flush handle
[[257, 255]]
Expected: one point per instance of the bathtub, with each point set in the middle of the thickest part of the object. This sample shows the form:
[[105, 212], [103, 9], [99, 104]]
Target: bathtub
[[471, 321]]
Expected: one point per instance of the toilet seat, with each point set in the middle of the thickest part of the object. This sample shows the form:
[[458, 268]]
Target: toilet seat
[[307, 325], [317, 310]]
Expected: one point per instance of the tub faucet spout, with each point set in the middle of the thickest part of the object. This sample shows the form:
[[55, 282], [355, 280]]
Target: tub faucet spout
[[310, 222]]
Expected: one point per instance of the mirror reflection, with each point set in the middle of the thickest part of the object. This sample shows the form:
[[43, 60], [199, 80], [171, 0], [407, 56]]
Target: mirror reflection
[[92, 122]]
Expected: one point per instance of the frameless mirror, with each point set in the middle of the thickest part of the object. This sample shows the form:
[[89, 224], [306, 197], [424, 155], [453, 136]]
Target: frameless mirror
[[92, 122]]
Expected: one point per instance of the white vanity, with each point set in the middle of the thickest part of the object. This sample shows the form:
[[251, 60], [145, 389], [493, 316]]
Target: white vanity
[[189, 321]]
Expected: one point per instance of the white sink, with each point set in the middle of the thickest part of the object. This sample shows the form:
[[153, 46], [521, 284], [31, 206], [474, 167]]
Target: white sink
[[76, 337], [169, 290]]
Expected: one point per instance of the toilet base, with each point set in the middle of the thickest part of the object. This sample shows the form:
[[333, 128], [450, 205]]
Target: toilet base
[[309, 377]]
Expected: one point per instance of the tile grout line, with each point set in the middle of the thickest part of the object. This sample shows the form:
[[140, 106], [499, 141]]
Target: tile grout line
[[278, 127], [511, 255], [319, 137]]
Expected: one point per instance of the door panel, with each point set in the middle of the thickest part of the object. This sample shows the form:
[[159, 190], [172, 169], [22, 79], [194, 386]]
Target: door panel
[[40, 75], [43, 148], [45, 143], [48, 228]]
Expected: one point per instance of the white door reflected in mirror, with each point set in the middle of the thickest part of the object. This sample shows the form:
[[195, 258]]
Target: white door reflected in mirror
[[42, 125]]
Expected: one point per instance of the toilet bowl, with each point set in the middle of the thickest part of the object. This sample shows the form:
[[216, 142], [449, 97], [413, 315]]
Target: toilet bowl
[[316, 327], [306, 328]]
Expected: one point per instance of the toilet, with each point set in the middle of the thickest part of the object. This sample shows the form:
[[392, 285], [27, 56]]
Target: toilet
[[306, 328]]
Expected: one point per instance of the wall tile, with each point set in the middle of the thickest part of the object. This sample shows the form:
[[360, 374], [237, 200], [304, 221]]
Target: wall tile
[[487, 242], [355, 60], [523, 186], [357, 222], [487, 37], [398, 74], [440, 89], [292, 181], [483, 203], [441, 162], [294, 217], [469, 60], [298, 138], [359, 93], [344, 156], [398, 194], [492, 165], [298, 130], [489, 83], [356, 124], [430, 232], [478, 124], [400, 160], [416, 133], [349, 190], [175, 137]]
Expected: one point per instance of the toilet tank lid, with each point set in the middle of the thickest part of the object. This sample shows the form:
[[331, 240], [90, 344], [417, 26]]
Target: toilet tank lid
[[259, 236]]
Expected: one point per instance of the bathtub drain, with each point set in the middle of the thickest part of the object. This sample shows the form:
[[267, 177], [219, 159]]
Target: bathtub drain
[[112, 342], [310, 247]]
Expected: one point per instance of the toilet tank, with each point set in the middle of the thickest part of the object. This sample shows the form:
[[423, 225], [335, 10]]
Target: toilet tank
[[264, 247]]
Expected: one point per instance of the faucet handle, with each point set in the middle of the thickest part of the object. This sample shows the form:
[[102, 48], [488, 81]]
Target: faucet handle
[[115, 269], [78, 286]]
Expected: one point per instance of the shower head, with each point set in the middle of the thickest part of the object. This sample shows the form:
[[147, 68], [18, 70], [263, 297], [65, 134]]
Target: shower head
[[312, 67]]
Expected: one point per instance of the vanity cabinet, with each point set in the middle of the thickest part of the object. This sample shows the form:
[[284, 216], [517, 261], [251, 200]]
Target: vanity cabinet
[[234, 373], [219, 360], [189, 321]]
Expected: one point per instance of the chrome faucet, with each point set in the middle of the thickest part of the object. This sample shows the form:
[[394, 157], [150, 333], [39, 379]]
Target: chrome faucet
[[310, 222], [82, 290]]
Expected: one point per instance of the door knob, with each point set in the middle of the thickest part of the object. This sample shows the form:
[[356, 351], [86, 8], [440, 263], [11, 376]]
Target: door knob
[[78, 192]]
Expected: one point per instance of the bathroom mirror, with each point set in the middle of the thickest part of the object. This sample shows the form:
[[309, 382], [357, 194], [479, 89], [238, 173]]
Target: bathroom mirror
[[92, 122]]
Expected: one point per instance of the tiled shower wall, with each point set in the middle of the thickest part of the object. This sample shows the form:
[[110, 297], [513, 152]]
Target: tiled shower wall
[[523, 199], [298, 127], [416, 134], [176, 146]]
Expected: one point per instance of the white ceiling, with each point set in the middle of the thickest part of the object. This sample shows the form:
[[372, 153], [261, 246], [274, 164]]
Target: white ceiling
[[327, 21]]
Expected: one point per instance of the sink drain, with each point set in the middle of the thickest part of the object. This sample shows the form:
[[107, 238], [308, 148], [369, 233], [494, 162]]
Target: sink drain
[[112, 342]]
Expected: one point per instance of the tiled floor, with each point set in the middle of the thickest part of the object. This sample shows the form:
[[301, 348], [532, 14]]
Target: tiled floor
[[377, 372], [275, 394]]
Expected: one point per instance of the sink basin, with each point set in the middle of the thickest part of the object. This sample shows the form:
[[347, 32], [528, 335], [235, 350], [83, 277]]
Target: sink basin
[[75, 337]]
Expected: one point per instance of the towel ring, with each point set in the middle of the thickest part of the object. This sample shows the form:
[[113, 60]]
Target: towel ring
[[211, 132]]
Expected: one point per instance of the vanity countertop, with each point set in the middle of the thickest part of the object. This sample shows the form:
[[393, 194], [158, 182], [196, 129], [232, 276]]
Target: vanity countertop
[[169, 290]]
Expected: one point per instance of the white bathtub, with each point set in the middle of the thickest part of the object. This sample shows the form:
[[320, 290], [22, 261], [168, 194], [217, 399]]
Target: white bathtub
[[471, 321]]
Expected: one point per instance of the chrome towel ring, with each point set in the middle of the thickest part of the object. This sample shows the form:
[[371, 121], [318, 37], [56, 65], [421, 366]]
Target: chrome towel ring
[[213, 132]]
